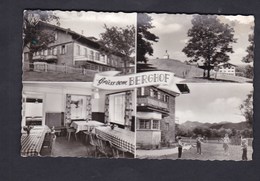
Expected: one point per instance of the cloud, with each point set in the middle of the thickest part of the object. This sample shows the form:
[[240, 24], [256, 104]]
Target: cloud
[[228, 105], [186, 115], [90, 17], [241, 19], [166, 28]]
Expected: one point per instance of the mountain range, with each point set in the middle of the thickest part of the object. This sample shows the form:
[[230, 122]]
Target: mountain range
[[190, 125]]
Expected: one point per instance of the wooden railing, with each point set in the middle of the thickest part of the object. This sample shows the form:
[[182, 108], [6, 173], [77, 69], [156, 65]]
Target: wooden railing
[[149, 101], [45, 67]]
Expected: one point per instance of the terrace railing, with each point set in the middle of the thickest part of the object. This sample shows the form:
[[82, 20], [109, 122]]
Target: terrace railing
[[45, 67]]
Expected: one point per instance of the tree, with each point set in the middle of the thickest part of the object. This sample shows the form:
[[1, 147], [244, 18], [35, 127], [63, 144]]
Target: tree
[[144, 37], [120, 40], [250, 49], [250, 56], [210, 41], [34, 37], [247, 108]]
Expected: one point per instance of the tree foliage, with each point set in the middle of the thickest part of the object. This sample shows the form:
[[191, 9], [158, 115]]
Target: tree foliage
[[247, 108], [145, 38], [209, 41], [120, 40], [250, 50], [34, 37]]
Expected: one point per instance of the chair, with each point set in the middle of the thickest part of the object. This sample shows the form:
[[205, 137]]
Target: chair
[[104, 147], [88, 133], [116, 151], [93, 142], [69, 131], [48, 143]]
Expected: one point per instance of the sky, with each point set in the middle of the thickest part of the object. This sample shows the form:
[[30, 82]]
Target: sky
[[212, 103], [92, 23], [172, 32]]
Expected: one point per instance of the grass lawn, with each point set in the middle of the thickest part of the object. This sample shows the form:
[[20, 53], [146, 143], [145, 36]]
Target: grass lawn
[[212, 151], [55, 76]]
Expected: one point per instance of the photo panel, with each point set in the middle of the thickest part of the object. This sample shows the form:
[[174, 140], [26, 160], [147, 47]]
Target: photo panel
[[75, 45]]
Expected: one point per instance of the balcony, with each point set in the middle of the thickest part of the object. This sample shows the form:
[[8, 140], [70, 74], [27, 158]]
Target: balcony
[[45, 58], [148, 103]]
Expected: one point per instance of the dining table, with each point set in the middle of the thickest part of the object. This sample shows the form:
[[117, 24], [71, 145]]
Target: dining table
[[31, 144], [85, 125], [120, 137]]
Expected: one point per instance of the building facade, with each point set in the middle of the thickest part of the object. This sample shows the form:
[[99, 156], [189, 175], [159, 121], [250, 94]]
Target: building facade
[[75, 50], [155, 122], [227, 68]]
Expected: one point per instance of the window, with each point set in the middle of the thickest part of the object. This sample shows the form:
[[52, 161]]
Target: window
[[97, 56], [117, 108], [63, 49], [78, 50], [166, 98], [159, 95], [56, 36], [142, 91], [91, 55], [155, 93], [144, 124], [54, 51], [155, 124], [151, 93], [45, 52], [50, 51], [86, 52]]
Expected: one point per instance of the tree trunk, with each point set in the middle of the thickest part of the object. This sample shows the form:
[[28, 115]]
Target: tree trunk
[[30, 59], [208, 75], [125, 71]]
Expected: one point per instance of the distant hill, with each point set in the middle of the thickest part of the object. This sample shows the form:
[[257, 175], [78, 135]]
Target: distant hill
[[180, 69], [190, 125]]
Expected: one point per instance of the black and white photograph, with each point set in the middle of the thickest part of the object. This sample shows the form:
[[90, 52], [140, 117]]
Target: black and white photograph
[[72, 119], [210, 122], [207, 112], [75, 45], [197, 48]]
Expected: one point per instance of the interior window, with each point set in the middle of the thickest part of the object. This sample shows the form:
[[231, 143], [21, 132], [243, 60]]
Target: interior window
[[117, 108]]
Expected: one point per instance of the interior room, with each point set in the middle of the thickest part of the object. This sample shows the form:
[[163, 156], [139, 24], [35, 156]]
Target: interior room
[[77, 120]]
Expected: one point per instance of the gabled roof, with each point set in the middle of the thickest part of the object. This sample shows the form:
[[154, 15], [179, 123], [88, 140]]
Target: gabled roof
[[226, 63], [81, 38]]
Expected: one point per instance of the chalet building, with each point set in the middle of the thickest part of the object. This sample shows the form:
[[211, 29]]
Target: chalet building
[[155, 124], [227, 68], [76, 50]]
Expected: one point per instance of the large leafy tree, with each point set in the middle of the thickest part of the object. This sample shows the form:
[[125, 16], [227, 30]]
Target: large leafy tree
[[250, 56], [247, 108], [145, 38], [35, 38], [209, 41], [121, 40]]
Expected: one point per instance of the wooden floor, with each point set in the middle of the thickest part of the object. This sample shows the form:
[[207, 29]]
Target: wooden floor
[[64, 148]]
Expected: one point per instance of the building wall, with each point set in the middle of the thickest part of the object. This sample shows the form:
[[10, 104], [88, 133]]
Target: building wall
[[148, 139], [168, 123], [54, 97]]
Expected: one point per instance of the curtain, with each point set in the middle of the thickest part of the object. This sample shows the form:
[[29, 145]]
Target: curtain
[[88, 108], [107, 109], [68, 109], [128, 109]]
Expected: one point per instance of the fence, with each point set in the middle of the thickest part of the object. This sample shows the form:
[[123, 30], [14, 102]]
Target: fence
[[45, 67]]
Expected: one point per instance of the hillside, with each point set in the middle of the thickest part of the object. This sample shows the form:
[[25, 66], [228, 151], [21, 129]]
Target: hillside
[[190, 125], [179, 68]]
